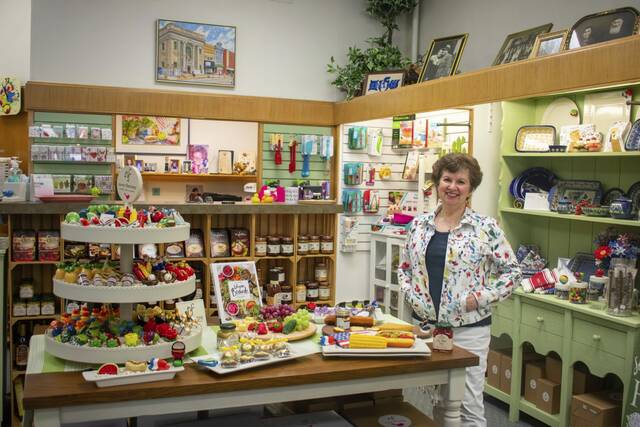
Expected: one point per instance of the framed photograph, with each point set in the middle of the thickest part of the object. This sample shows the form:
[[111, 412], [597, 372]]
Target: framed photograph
[[199, 157], [518, 46], [174, 166], [382, 81], [549, 44], [129, 160], [194, 53], [139, 165], [410, 171], [186, 166], [237, 289], [225, 161], [151, 135], [443, 57], [603, 26]]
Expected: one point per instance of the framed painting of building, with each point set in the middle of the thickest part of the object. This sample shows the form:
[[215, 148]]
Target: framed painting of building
[[194, 53]]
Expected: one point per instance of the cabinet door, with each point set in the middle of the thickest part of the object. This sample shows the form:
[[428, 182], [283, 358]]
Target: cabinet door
[[395, 248], [380, 260]]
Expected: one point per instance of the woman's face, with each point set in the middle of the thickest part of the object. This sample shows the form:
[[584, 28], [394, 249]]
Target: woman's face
[[454, 188]]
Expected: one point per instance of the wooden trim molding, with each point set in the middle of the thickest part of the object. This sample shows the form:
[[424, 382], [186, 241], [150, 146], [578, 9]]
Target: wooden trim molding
[[73, 98]]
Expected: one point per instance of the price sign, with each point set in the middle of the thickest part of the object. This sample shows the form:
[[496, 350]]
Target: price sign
[[129, 184], [239, 290]]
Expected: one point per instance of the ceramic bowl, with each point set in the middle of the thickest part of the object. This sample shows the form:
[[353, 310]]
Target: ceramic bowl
[[602, 211], [557, 148]]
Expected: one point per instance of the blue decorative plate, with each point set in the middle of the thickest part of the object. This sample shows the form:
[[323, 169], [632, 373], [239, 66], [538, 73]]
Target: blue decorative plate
[[634, 195], [610, 195], [534, 180], [576, 191], [633, 139]]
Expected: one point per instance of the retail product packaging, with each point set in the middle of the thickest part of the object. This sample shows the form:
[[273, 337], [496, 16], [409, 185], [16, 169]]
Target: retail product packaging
[[239, 242], [174, 250], [584, 382], [595, 410], [61, 183], [219, 239], [553, 369], [536, 201], [48, 245], [357, 138], [390, 414], [402, 131], [505, 370], [533, 371], [74, 250], [82, 183], [493, 368], [99, 250], [24, 245], [548, 399], [193, 247]]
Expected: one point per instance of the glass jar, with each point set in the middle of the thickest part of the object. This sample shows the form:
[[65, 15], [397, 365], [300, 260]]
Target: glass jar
[[19, 308], [198, 293], [226, 336], [597, 285], [47, 305], [286, 246], [321, 272], [169, 305], [324, 291], [273, 246], [562, 291], [314, 245], [443, 337], [578, 293], [26, 289], [261, 246], [303, 245], [301, 292], [620, 291], [286, 294], [313, 291], [326, 245], [275, 274], [33, 307], [273, 292], [343, 318]]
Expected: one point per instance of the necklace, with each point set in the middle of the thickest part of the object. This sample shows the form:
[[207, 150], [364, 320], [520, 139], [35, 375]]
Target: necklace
[[448, 225]]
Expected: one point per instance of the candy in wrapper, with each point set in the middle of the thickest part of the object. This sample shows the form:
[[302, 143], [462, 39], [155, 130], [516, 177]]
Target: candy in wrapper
[[342, 339]]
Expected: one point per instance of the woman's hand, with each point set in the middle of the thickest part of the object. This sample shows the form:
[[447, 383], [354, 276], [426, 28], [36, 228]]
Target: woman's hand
[[472, 303]]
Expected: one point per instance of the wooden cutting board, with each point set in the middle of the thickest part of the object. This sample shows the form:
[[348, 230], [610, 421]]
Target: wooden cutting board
[[294, 336]]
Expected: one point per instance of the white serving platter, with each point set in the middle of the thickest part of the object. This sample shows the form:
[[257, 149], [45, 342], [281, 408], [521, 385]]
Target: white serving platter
[[124, 235], [123, 294], [420, 348], [125, 377], [558, 114], [605, 108], [244, 366]]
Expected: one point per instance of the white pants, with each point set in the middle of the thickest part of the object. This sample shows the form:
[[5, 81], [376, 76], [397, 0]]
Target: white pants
[[475, 340]]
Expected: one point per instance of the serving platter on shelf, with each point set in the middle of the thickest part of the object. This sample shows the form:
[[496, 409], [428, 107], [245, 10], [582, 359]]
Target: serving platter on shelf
[[605, 108], [124, 235], [575, 191], [561, 112], [127, 377], [419, 348]]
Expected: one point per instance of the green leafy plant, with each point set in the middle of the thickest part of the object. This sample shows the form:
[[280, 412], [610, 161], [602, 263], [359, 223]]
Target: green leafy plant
[[381, 55]]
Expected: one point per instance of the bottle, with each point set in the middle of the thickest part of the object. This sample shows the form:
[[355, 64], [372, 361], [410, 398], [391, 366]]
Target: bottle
[[22, 347], [166, 165]]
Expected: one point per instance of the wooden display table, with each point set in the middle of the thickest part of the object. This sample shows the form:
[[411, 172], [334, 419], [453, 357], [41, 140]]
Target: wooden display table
[[51, 399]]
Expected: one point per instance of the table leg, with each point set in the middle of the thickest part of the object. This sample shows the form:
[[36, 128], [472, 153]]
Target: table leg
[[453, 399], [46, 418]]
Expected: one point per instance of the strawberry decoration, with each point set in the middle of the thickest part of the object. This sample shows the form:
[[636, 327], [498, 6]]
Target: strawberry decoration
[[262, 329]]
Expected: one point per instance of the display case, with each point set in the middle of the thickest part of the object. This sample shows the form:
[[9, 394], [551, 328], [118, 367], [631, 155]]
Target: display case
[[385, 288]]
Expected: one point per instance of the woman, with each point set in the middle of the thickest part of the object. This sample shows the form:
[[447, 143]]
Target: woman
[[455, 263]]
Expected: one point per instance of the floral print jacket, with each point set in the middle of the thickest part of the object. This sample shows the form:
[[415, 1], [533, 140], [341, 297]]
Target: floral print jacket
[[479, 261]]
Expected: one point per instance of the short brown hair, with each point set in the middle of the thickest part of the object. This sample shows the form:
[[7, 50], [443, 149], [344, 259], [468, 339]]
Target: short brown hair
[[455, 162]]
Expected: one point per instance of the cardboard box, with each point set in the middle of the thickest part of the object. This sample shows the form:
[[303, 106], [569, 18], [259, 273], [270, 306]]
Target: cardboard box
[[584, 382], [388, 414], [553, 369], [595, 410], [548, 399], [533, 371], [316, 419], [505, 370], [493, 368]]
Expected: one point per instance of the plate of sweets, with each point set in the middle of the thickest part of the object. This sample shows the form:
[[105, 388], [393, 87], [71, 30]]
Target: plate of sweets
[[133, 372]]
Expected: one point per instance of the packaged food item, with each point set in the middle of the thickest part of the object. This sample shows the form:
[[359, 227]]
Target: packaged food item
[[174, 250], [578, 293], [301, 292], [99, 250], [313, 292], [19, 308], [82, 183], [26, 289], [49, 245], [286, 294], [261, 246], [324, 291], [343, 318], [219, 243], [194, 247], [273, 246], [47, 305], [303, 245], [321, 272], [443, 337], [286, 246], [33, 306], [326, 245], [239, 242], [562, 291], [74, 250], [24, 245], [314, 245]]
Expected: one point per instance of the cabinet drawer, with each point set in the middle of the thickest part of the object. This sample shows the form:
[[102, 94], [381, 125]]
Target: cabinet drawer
[[543, 318], [599, 337], [504, 309], [501, 326], [543, 342], [599, 362]]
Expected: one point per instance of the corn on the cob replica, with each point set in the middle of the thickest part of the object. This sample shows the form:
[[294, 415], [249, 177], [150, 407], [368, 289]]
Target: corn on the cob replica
[[367, 341]]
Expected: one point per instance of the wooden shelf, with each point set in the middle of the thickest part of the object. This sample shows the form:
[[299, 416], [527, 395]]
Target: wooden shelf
[[13, 264], [332, 256], [497, 393], [159, 176], [584, 218], [230, 259], [70, 162], [200, 259], [289, 258], [569, 155], [15, 319]]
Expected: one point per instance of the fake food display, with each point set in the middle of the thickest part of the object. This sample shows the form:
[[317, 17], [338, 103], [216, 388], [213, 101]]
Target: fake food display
[[277, 322], [133, 371]]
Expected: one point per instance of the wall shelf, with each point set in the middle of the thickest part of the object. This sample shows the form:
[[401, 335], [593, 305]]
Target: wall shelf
[[584, 218], [570, 155], [159, 176]]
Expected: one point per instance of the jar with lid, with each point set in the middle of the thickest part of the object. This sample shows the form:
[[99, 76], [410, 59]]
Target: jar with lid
[[326, 245], [324, 291], [321, 272], [26, 289], [170, 305], [343, 318], [273, 246], [562, 291], [19, 308], [301, 292], [314, 245], [578, 293], [303, 245], [198, 292], [597, 284], [261, 246], [313, 291], [443, 337], [47, 305], [620, 290], [273, 292], [33, 306], [276, 274], [226, 336], [286, 246], [286, 294]]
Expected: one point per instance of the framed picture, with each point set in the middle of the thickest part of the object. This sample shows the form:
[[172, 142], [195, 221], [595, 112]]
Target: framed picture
[[139, 165], [602, 27], [410, 171], [549, 43], [443, 57], [151, 135], [129, 160], [174, 166], [383, 81], [194, 53], [237, 289], [199, 156], [186, 166], [225, 161], [518, 46]]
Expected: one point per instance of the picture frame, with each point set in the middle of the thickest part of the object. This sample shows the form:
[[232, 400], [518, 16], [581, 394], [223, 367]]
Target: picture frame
[[549, 43], [139, 165], [382, 81], [443, 57], [225, 162], [237, 289], [206, 52], [129, 160], [186, 167], [199, 157], [174, 166], [151, 134], [602, 27], [518, 46], [410, 170]]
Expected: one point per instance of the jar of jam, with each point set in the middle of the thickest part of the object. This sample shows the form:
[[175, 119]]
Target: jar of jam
[[273, 246], [286, 294], [226, 336], [343, 318], [33, 306], [169, 305], [26, 289], [261, 246], [326, 245], [47, 305], [443, 337], [303, 245], [19, 308], [286, 246], [301, 292], [314, 245], [273, 292], [324, 291], [321, 272], [275, 274], [313, 291]]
